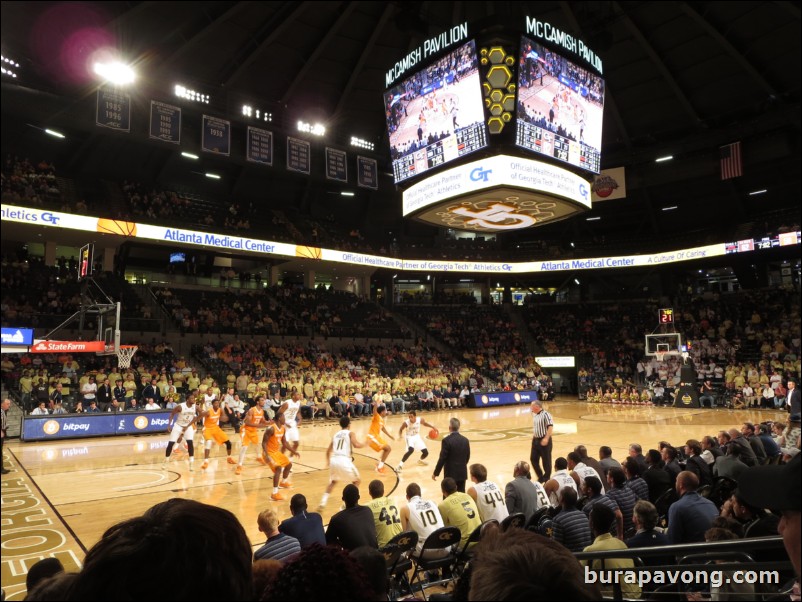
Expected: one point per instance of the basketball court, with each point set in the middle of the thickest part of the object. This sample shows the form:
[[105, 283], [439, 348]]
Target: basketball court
[[61, 496]]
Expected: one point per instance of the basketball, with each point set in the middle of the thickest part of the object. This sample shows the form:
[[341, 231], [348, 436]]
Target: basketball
[[434, 434], [115, 226]]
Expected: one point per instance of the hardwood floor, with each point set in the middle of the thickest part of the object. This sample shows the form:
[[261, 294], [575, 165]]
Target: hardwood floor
[[79, 488]]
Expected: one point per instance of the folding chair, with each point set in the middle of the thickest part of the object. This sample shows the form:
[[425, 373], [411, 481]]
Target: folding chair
[[396, 555], [462, 556], [531, 524], [514, 521], [445, 538], [662, 504]]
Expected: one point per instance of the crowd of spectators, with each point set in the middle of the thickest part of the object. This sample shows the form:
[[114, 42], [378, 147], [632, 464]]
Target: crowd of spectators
[[25, 182]]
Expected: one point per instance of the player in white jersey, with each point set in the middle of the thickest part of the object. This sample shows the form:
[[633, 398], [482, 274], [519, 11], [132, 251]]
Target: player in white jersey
[[487, 495], [559, 479], [423, 517], [580, 470], [413, 425], [341, 463], [181, 424], [292, 418]]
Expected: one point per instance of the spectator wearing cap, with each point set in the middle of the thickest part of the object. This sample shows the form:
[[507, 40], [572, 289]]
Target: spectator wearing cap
[[354, 526], [778, 488]]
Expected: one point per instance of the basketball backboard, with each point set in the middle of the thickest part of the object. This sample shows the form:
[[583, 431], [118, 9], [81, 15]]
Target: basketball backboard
[[108, 328], [669, 343]]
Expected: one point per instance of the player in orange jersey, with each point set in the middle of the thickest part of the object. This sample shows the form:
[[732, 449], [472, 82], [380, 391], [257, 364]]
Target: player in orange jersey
[[212, 432], [375, 439], [254, 419], [273, 441]]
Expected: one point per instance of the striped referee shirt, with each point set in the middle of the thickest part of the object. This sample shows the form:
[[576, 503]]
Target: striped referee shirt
[[540, 424]]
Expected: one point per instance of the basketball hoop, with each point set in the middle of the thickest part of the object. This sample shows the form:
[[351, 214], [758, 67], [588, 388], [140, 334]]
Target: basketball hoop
[[124, 355]]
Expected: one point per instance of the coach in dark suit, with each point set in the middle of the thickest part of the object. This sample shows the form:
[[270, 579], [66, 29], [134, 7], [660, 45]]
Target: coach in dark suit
[[455, 453]]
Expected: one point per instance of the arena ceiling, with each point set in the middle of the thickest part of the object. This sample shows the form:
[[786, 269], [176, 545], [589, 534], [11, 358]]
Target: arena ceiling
[[683, 78]]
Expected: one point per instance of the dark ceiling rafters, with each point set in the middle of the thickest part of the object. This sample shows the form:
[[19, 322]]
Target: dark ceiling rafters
[[725, 44], [356, 70], [197, 38], [319, 47], [661, 66], [268, 32]]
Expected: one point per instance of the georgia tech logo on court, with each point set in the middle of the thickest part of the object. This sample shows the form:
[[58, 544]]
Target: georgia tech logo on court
[[484, 399], [51, 427], [141, 422]]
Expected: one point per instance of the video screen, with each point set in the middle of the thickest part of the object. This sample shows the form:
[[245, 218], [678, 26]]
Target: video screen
[[178, 257], [436, 115], [560, 107]]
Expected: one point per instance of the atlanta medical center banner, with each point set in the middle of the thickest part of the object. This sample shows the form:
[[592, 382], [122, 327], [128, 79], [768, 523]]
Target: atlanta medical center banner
[[244, 244]]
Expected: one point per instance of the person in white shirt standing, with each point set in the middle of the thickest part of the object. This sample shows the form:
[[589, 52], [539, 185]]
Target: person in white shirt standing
[[487, 495], [338, 456], [559, 479], [292, 418], [181, 424]]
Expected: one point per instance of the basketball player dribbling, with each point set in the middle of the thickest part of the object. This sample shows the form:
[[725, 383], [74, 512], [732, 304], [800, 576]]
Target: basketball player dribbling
[[292, 418], [181, 424], [414, 441]]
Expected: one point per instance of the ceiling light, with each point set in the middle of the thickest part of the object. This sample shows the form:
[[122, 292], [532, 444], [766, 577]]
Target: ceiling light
[[670, 208], [360, 143], [115, 72], [317, 129], [663, 159], [189, 155], [55, 133], [576, 280], [213, 176], [186, 93], [346, 193], [592, 219], [757, 192]]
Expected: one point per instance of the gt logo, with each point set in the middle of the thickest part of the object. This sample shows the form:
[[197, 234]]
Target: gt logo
[[494, 216], [480, 174]]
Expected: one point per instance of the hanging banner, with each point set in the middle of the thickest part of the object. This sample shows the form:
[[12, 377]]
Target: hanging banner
[[336, 165], [165, 122], [216, 136], [609, 184], [367, 173], [298, 155], [113, 110], [259, 147]]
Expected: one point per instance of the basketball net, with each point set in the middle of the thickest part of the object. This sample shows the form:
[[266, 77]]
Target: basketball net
[[660, 355], [124, 355]]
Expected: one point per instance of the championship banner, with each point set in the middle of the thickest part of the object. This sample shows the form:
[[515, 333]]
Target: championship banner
[[165, 122], [367, 173], [216, 134], [336, 165], [609, 184], [298, 155], [113, 110], [259, 146]]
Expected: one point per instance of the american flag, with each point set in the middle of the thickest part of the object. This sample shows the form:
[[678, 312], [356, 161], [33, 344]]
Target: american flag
[[731, 160]]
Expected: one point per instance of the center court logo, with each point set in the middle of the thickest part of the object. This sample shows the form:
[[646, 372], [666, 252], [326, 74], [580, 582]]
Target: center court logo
[[51, 427], [141, 422]]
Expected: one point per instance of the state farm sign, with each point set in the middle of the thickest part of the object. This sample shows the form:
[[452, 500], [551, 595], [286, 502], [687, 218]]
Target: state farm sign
[[69, 346]]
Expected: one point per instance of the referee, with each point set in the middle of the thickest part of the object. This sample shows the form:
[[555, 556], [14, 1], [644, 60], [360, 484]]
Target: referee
[[542, 427]]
